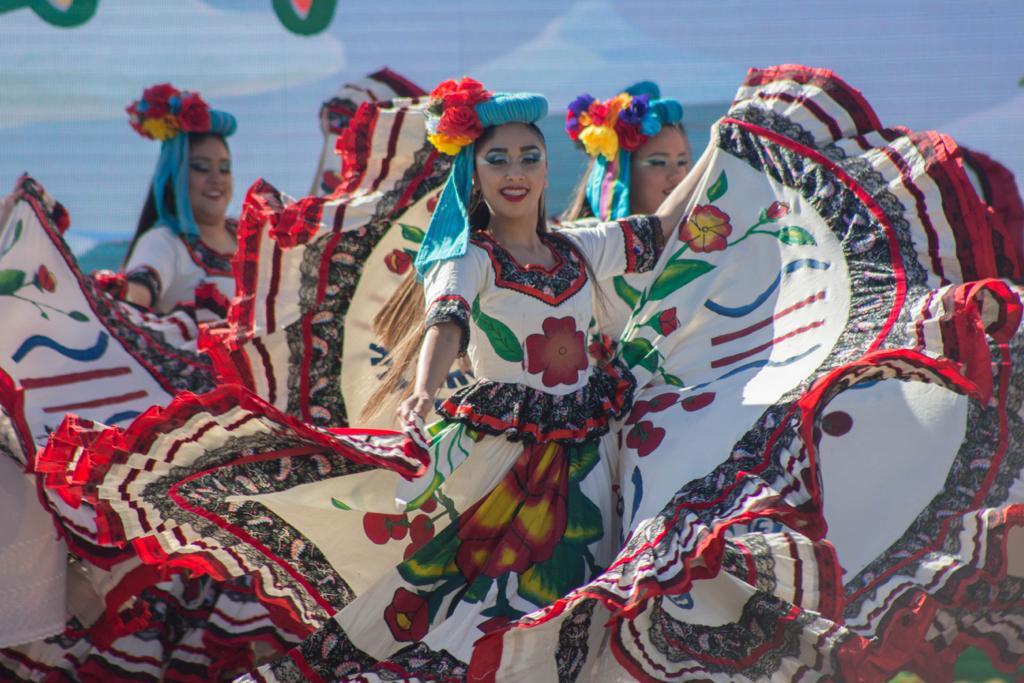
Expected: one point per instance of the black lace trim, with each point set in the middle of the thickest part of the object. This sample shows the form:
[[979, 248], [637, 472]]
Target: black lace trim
[[148, 278], [552, 286], [522, 413], [450, 309], [644, 242]]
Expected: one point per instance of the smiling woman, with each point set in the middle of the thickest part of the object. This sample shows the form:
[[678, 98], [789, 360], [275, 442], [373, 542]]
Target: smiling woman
[[181, 252]]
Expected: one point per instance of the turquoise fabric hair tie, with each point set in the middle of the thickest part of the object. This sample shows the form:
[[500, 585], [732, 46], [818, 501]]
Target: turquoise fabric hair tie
[[172, 170], [607, 187], [447, 235]]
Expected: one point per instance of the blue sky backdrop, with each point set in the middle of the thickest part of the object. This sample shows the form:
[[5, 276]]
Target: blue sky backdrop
[[928, 64]]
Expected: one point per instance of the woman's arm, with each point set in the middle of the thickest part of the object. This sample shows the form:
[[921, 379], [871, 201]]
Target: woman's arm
[[438, 352], [138, 294], [672, 209]]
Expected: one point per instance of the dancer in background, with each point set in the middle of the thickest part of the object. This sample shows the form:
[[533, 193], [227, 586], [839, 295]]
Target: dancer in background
[[639, 151], [184, 238]]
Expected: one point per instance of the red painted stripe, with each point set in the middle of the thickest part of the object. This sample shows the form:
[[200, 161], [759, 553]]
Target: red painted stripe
[[96, 403], [809, 105], [723, 338], [396, 129], [729, 360], [268, 369], [72, 377], [922, 210]]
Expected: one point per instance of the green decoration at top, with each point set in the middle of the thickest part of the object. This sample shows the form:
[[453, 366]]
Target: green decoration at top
[[305, 17], [67, 14]]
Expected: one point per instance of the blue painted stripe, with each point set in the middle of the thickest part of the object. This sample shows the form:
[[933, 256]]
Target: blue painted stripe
[[761, 364], [37, 340], [121, 417], [740, 311]]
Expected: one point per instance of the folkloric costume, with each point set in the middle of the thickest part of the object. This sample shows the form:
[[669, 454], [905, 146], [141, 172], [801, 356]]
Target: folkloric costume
[[548, 538], [170, 259]]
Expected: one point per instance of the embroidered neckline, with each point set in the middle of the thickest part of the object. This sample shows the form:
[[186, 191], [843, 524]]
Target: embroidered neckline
[[552, 285]]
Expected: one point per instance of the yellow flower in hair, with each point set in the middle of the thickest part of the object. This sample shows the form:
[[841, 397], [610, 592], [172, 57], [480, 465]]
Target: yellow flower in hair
[[617, 104], [600, 140], [163, 128], [448, 145]]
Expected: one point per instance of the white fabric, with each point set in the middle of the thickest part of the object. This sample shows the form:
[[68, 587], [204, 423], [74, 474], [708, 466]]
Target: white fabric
[[33, 563], [178, 267]]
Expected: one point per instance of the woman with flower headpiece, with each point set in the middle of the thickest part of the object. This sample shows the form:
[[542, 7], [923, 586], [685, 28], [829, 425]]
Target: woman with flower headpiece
[[438, 537], [639, 151], [183, 239]]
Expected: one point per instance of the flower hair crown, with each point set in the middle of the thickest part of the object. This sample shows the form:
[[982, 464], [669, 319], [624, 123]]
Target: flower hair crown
[[452, 120], [164, 111], [625, 121]]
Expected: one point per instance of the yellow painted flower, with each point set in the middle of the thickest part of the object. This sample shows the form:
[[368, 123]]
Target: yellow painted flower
[[448, 145], [163, 128], [600, 140]]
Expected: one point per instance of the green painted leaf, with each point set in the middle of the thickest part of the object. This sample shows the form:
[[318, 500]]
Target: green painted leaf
[[412, 233], [504, 341], [676, 275], [79, 316], [434, 561], [719, 187], [628, 294], [545, 582], [11, 280], [792, 234], [411, 253], [582, 459], [338, 504], [639, 352], [673, 380], [478, 590], [19, 227], [584, 524]]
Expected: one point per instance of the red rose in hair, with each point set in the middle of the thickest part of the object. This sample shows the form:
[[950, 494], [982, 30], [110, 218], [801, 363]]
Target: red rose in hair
[[157, 99], [443, 89], [597, 111], [630, 137], [460, 122], [465, 93], [195, 114]]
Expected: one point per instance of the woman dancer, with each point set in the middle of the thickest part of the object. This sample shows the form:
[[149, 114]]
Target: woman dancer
[[639, 151], [183, 238]]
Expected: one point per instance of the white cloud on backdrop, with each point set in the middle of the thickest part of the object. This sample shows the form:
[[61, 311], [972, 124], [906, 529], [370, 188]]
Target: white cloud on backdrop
[[90, 72]]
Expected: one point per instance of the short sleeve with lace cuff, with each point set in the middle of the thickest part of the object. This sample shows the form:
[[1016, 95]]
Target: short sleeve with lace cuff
[[629, 245], [450, 287]]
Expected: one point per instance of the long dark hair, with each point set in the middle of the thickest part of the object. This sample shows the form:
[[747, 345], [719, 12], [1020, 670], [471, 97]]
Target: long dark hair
[[149, 215], [398, 326]]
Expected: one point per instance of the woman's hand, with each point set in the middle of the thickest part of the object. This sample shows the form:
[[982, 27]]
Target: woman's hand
[[417, 404]]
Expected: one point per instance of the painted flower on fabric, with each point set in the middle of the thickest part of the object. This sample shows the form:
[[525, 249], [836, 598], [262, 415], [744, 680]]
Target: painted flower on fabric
[[398, 261], [777, 210], [521, 520], [560, 353], [44, 279], [407, 616], [655, 405], [666, 322], [707, 229], [644, 437]]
